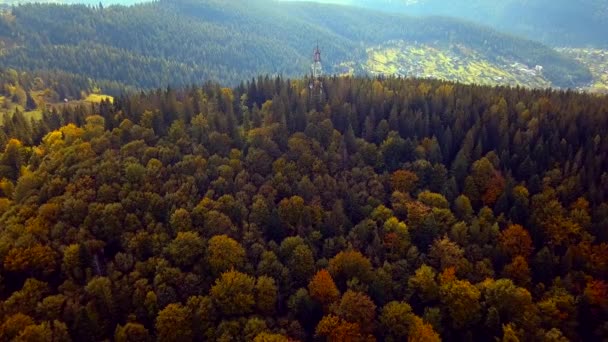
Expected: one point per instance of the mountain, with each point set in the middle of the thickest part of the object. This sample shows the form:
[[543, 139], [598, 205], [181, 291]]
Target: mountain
[[580, 23], [188, 42]]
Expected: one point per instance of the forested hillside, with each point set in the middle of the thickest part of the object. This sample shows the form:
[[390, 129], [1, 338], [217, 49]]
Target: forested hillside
[[386, 209], [579, 23], [186, 42]]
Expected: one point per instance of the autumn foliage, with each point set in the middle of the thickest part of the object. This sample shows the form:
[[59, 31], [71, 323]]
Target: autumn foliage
[[386, 210]]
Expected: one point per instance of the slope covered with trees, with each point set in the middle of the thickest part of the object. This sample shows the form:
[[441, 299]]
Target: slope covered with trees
[[386, 209], [579, 23], [186, 42]]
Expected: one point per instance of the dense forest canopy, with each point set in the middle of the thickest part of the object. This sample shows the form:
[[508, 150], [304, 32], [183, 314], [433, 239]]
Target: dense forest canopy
[[384, 209], [182, 42], [203, 202]]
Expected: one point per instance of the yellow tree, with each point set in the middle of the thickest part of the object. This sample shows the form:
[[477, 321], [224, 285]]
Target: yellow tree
[[424, 283], [462, 301], [224, 253], [173, 324], [233, 293], [422, 332]]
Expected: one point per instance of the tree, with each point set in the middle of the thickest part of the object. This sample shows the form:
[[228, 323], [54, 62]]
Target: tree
[[519, 271], [173, 324], [336, 329], [596, 292], [234, 293], [494, 189], [396, 238], [462, 302], [13, 325], [291, 212], [323, 289], [445, 253], [224, 253], [132, 332], [301, 263], [265, 295], [26, 298], [11, 160], [34, 259], [100, 289], [422, 332], [46, 331], [186, 249], [404, 181], [396, 320], [514, 241], [181, 221], [268, 337], [463, 208], [424, 283], [433, 200], [509, 302], [350, 264], [356, 307]]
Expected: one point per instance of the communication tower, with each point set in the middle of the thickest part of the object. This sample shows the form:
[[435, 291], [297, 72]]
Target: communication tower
[[316, 84]]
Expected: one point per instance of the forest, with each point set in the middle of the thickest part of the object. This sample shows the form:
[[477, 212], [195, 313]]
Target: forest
[[382, 209], [184, 42], [579, 23]]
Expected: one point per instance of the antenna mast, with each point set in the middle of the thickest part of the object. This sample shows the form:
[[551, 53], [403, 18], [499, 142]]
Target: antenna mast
[[316, 84]]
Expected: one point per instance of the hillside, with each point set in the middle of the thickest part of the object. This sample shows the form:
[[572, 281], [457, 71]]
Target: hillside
[[188, 42], [84, 2], [385, 210], [597, 61], [580, 23]]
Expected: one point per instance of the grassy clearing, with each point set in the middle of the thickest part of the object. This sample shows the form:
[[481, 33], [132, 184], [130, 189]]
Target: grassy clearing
[[34, 114], [457, 63], [97, 98]]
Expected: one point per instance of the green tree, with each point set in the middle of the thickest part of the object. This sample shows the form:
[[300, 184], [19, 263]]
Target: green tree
[[462, 301], [186, 249], [396, 320], [424, 283], [350, 264], [265, 295]]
